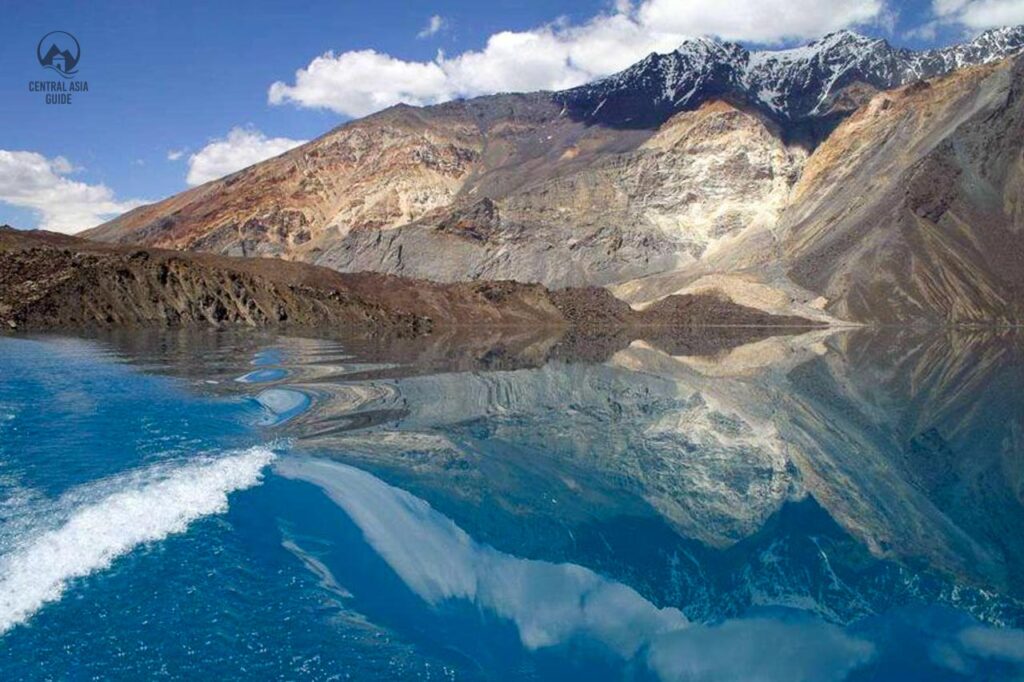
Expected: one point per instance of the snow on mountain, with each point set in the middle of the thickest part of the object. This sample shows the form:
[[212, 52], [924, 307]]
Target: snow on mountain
[[795, 84]]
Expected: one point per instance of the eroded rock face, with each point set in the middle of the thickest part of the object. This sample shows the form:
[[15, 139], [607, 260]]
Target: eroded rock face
[[703, 177], [910, 210], [380, 172], [710, 174], [403, 194]]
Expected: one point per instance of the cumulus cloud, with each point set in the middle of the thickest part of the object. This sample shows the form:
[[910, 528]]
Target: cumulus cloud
[[979, 15], [360, 82], [561, 54], [33, 181], [759, 21], [433, 27], [241, 148]]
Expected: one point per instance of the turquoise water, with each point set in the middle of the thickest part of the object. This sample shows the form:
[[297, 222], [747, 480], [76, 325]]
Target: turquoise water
[[245, 505]]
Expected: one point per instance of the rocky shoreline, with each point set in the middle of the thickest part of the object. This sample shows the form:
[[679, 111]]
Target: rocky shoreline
[[50, 281]]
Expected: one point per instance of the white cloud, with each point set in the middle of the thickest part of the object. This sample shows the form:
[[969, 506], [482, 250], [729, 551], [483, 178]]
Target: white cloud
[[175, 154], [759, 21], [926, 31], [433, 27], [33, 181], [241, 148], [561, 54], [947, 7], [357, 83], [979, 15]]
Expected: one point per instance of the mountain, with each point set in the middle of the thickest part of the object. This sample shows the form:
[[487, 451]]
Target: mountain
[[911, 210], [812, 85], [828, 181]]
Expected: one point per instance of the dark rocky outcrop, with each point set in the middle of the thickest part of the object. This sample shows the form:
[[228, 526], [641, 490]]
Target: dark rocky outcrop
[[51, 281]]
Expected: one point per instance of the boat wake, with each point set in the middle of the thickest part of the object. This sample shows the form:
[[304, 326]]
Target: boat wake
[[105, 520]]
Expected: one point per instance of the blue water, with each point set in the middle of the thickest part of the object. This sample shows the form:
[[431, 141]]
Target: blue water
[[251, 506]]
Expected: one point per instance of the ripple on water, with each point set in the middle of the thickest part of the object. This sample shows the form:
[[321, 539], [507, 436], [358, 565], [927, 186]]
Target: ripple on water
[[261, 376], [281, 404], [268, 356]]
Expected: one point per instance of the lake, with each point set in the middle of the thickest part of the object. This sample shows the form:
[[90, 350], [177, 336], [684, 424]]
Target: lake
[[700, 505]]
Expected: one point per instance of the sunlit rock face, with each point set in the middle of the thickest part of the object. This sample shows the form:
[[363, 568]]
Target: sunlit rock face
[[713, 173], [703, 178], [938, 165], [908, 211], [376, 173], [687, 172]]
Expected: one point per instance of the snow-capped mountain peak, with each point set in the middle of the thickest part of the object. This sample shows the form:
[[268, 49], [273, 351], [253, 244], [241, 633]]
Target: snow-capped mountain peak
[[791, 85]]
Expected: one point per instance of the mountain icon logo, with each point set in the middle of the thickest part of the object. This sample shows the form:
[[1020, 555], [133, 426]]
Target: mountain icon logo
[[59, 50]]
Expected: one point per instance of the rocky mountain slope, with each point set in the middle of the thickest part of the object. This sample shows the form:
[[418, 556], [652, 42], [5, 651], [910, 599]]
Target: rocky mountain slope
[[50, 281], [909, 211], [777, 179]]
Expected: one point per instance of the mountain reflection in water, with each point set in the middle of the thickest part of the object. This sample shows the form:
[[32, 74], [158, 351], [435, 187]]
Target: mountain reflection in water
[[698, 505]]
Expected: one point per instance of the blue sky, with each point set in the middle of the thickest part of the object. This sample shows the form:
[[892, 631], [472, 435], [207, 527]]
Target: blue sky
[[169, 77]]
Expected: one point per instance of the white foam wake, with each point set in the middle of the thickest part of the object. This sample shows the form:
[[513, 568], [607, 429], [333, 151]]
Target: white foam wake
[[150, 505]]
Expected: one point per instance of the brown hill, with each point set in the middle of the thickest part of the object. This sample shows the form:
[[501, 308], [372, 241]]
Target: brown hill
[[50, 281]]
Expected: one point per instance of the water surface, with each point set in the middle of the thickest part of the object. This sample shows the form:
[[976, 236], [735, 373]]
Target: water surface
[[698, 506]]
